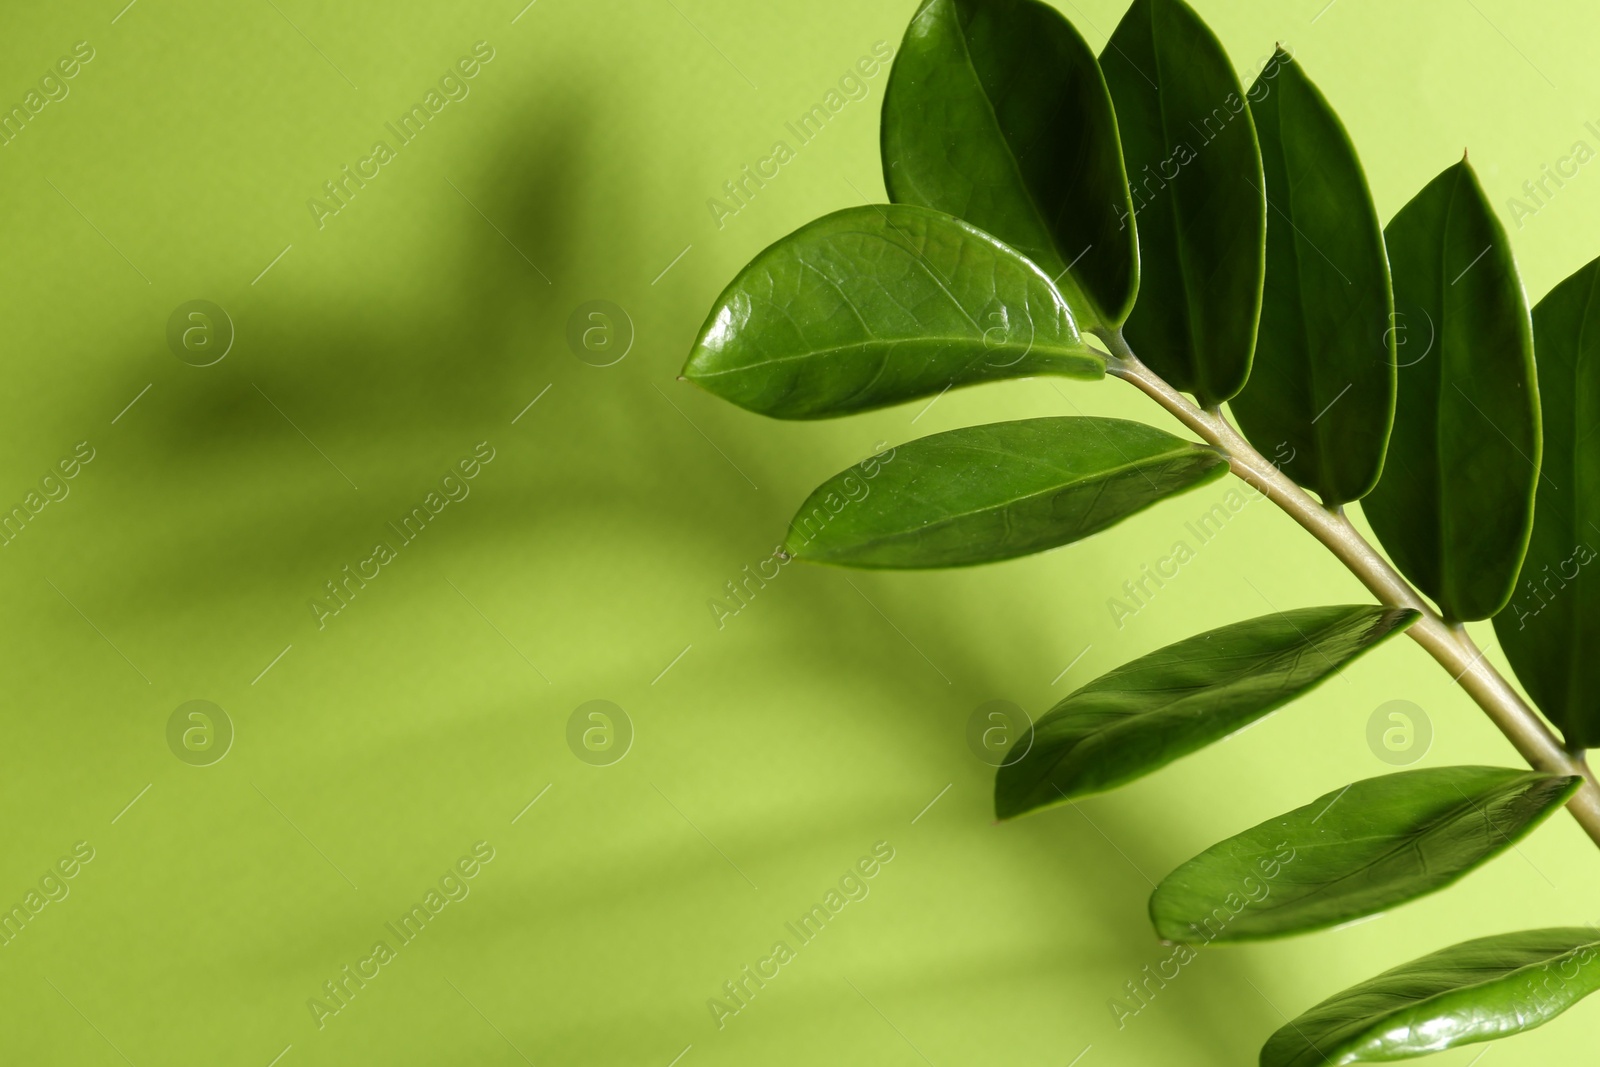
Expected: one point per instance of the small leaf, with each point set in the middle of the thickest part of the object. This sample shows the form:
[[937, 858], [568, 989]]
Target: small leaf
[[1549, 627], [1177, 700], [1322, 386], [996, 112], [1354, 852], [1479, 990], [1454, 506], [986, 493], [1195, 168], [873, 306]]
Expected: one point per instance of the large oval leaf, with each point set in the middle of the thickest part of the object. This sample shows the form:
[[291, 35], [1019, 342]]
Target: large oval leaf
[[1320, 398], [1192, 159], [986, 493], [1354, 852], [1176, 700], [996, 111], [876, 305], [1455, 503], [1550, 627], [1479, 990]]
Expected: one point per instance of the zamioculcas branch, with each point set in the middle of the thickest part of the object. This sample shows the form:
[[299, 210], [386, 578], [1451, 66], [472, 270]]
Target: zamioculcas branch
[[1221, 245]]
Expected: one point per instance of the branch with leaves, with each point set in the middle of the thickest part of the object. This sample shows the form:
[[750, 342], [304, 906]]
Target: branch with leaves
[[1043, 198]]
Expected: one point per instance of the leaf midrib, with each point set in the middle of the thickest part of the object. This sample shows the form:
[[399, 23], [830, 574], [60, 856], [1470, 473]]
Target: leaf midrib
[[1191, 357], [1373, 1019], [1083, 354], [1059, 306], [1319, 434], [1101, 477], [1455, 813], [1447, 575], [1276, 659], [1016, 164]]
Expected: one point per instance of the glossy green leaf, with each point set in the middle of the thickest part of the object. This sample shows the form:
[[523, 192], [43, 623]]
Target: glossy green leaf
[[1454, 506], [996, 112], [1479, 990], [1195, 168], [1177, 700], [1354, 852], [986, 493], [877, 305], [1320, 399], [1550, 628]]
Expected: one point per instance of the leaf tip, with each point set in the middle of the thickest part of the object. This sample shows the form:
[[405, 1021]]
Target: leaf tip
[[1007, 805], [692, 364], [1167, 930], [793, 548]]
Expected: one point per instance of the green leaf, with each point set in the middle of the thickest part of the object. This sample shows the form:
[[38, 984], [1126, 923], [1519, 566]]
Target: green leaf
[[1354, 852], [1454, 506], [1549, 628], [996, 111], [873, 306], [1320, 398], [1479, 990], [1177, 700], [986, 493], [1192, 158]]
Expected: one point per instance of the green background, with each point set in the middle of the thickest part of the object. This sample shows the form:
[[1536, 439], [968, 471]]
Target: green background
[[824, 717]]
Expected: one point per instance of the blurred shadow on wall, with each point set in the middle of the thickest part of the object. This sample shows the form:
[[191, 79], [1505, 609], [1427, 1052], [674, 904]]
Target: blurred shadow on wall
[[400, 392]]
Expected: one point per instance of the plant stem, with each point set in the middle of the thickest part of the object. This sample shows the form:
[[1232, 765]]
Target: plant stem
[[1448, 644]]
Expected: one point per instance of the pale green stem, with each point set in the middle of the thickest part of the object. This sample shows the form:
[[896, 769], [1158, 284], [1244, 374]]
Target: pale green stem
[[1448, 644]]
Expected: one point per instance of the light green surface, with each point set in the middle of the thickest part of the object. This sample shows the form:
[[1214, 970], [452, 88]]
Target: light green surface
[[823, 717]]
